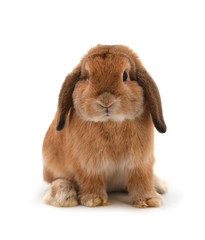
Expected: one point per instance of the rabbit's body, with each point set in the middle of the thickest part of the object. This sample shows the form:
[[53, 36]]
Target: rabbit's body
[[104, 147], [106, 144]]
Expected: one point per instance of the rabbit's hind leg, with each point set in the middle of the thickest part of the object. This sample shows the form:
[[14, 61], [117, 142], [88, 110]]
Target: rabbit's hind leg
[[160, 185], [62, 193]]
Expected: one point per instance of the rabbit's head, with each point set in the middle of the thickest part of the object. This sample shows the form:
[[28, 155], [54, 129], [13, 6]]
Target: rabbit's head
[[110, 84]]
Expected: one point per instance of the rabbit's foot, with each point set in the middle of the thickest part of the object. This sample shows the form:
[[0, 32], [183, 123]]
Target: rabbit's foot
[[160, 185], [61, 194], [153, 201], [92, 200]]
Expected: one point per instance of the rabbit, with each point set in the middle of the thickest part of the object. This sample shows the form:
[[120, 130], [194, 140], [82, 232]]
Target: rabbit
[[102, 137]]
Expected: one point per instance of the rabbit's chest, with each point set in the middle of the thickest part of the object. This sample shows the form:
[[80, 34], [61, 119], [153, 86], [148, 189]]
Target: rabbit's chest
[[115, 176]]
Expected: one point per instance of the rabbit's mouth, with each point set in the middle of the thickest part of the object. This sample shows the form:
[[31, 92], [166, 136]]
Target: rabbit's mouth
[[107, 112], [107, 116]]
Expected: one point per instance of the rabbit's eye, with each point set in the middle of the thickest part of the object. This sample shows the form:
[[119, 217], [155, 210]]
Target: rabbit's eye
[[88, 77], [125, 76]]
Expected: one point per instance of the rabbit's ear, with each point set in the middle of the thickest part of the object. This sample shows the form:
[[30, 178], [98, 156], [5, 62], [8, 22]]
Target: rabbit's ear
[[153, 97], [65, 100]]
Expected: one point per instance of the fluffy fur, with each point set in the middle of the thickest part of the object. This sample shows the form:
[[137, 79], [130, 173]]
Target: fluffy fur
[[102, 136]]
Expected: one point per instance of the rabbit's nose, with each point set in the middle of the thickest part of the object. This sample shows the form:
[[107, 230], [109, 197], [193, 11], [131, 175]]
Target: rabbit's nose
[[106, 99], [106, 106]]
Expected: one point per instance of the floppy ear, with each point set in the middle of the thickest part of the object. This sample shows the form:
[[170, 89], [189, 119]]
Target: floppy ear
[[153, 97], [65, 100]]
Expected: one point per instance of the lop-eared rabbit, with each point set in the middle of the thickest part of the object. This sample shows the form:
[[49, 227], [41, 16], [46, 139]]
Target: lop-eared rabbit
[[102, 137]]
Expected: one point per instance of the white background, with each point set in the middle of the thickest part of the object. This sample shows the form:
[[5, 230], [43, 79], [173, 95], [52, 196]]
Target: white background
[[40, 42]]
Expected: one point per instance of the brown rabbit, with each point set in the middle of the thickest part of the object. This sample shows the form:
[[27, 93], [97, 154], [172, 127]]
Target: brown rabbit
[[102, 136]]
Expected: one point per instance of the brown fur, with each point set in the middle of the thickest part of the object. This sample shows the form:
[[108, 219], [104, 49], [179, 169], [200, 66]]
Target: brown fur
[[89, 149]]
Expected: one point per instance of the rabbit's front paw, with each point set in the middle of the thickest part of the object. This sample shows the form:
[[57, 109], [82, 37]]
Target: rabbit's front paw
[[92, 200], [153, 201]]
